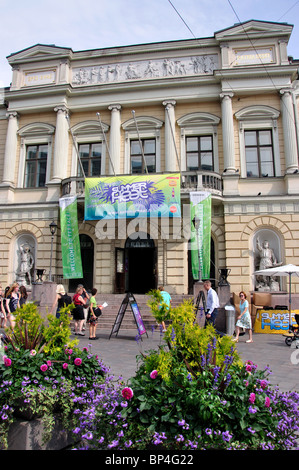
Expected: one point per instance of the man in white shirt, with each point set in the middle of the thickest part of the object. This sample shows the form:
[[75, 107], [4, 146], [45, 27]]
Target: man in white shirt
[[212, 303]]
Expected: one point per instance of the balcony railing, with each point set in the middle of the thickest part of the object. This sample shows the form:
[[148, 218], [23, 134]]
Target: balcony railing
[[191, 181]]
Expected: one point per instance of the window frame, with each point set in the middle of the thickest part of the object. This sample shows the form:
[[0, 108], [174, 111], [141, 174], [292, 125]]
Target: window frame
[[199, 151], [148, 128], [36, 160], [35, 134], [258, 118], [143, 169], [199, 125], [258, 148], [90, 158]]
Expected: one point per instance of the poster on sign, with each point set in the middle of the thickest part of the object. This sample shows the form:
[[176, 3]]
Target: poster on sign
[[273, 321], [132, 196]]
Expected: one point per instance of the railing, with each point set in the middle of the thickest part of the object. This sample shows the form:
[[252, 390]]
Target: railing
[[191, 181]]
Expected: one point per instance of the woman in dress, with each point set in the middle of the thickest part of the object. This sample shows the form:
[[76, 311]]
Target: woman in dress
[[12, 303], [244, 319], [78, 312]]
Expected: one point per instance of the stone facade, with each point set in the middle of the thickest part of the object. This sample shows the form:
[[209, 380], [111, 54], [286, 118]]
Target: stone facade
[[237, 84]]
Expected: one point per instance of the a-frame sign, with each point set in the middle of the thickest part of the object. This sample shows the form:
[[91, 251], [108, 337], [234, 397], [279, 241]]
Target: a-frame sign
[[200, 297], [128, 300]]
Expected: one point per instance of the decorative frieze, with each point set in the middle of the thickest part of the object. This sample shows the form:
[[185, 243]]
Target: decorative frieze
[[140, 70]]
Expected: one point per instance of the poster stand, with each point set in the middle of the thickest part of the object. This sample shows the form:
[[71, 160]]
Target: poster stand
[[200, 297], [129, 299]]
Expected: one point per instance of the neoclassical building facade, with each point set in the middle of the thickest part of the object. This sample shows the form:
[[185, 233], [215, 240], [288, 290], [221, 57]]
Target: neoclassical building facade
[[220, 111]]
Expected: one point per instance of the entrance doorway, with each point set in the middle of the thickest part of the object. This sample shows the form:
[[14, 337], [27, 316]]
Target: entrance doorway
[[87, 256], [140, 265]]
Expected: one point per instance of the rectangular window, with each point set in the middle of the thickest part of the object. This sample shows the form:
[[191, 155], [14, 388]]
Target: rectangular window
[[36, 166], [259, 153], [199, 153], [149, 152], [91, 158]]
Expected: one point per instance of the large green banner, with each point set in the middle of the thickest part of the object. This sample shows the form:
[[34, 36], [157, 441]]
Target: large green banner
[[130, 196], [200, 212], [70, 243]]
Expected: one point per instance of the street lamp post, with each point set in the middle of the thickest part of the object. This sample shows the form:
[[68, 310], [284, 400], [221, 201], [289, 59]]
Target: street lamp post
[[53, 228]]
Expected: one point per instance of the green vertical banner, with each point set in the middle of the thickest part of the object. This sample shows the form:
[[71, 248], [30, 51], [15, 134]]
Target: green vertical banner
[[70, 243], [200, 212]]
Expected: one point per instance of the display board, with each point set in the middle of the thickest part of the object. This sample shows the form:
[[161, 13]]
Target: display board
[[129, 299], [273, 321]]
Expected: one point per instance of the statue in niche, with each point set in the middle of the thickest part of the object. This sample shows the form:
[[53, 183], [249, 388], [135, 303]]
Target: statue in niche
[[267, 259], [26, 265]]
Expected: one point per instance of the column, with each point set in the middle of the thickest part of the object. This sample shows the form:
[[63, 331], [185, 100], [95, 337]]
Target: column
[[228, 132], [114, 143], [10, 154], [170, 152], [60, 145], [289, 131]]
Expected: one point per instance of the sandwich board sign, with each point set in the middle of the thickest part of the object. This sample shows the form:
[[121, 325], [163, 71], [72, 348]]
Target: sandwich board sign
[[128, 300]]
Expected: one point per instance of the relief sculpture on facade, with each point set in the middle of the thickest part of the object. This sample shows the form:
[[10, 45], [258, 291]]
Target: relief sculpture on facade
[[175, 67]]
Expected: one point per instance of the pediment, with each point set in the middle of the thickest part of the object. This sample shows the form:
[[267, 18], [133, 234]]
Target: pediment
[[39, 52], [254, 29]]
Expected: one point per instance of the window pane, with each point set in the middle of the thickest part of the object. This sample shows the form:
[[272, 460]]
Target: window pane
[[30, 175], [192, 144], [95, 167], [207, 161], [192, 162], [96, 150], [135, 147], [265, 138], [250, 138], [267, 169], [151, 163], [41, 175], [251, 155], [205, 143], [43, 152], [136, 166], [149, 146], [252, 170], [32, 151], [84, 150]]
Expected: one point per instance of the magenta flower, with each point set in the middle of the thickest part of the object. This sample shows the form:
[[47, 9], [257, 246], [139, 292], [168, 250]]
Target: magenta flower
[[65, 365], [43, 367], [252, 398], [127, 393], [267, 402], [153, 374], [7, 361], [49, 363], [78, 361]]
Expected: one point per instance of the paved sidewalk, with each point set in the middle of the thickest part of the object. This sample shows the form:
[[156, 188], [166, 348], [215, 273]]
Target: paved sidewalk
[[119, 354]]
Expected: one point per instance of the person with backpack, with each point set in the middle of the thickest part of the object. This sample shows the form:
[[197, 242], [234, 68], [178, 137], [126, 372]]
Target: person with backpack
[[62, 299]]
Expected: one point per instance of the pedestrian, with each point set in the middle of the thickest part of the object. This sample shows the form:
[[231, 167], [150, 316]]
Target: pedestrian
[[85, 296], [212, 303], [78, 312], [3, 318], [244, 319], [94, 312], [166, 300], [62, 299], [24, 295], [12, 303]]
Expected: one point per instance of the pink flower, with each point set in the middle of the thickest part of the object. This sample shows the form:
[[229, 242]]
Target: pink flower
[[43, 367], [7, 361], [49, 363], [153, 374], [33, 352], [267, 402], [248, 368], [78, 361], [264, 383], [65, 365], [252, 398], [127, 393]]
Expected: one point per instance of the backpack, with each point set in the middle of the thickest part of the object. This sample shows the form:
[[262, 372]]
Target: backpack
[[66, 299]]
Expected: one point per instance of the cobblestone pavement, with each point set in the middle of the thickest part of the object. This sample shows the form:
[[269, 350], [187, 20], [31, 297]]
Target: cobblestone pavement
[[119, 353]]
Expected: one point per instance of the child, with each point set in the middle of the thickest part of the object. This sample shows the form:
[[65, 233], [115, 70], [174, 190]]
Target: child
[[94, 313]]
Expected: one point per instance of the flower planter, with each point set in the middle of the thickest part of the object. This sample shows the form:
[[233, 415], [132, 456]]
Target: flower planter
[[28, 435]]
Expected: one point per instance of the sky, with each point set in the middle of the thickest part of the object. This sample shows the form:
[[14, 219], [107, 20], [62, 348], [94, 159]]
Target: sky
[[92, 24]]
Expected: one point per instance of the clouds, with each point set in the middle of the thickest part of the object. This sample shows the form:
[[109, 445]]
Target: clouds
[[92, 24]]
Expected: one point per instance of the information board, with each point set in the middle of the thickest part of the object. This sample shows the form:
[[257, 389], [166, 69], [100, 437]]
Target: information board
[[129, 299]]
